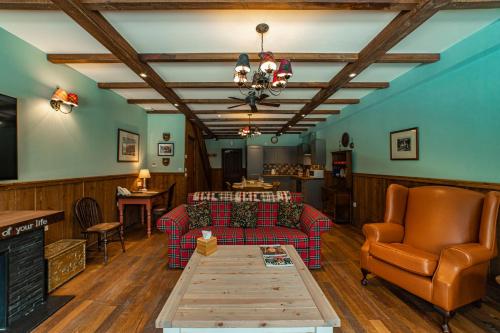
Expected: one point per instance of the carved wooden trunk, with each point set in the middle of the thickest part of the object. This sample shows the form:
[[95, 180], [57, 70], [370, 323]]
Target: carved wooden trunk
[[65, 259]]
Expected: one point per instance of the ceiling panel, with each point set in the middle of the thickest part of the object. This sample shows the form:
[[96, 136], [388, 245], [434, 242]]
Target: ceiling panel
[[49, 31], [107, 72], [224, 93], [234, 30], [138, 93], [384, 72], [447, 27], [352, 93]]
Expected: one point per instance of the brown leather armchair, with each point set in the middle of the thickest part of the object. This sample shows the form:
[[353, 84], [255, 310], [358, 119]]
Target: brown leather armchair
[[436, 242]]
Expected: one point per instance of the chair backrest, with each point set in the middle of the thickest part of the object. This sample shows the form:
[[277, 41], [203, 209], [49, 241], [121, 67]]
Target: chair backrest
[[87, 212], [440, 216], [170, 199]]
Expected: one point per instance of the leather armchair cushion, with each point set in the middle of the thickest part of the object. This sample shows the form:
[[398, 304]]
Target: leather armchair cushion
[[405, 257]]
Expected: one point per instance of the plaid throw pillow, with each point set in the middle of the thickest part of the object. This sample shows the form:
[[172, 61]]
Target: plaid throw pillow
[[244, 214], [199, 215], [289, 214]]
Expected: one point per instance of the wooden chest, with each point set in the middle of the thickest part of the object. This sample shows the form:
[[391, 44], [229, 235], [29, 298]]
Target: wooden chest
[[65, 259], [206, 246]]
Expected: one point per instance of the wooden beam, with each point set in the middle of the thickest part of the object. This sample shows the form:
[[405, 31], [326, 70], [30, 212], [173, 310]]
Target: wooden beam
[[400, 27], [233, 111], [103, 58], [230, 101], [231, 85], [216, 120], [99, 28], [115, 5]]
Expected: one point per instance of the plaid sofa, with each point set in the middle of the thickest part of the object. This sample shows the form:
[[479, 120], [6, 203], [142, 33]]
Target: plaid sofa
[[306, 240]]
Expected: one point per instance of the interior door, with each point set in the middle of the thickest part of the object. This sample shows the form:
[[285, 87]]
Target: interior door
[[232, 169], [190, 165]]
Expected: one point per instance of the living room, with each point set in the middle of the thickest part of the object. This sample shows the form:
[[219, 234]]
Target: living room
[[161, 158]]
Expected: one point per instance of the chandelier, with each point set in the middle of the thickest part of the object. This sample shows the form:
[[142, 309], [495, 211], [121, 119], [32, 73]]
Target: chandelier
[[268, 78], [249, 131]]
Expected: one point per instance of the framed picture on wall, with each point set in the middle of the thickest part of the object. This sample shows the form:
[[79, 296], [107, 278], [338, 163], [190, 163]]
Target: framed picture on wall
[[404, 144], [165, 149], [128, 146]]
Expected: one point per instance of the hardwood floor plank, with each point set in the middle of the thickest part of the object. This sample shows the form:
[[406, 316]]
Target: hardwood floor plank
[[128, 294]]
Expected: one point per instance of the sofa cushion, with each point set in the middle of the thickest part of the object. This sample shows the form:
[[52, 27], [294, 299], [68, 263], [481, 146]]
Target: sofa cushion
[[276, 235], [289, 214], [267, 214], [225, 236], [221, 213], [199, 215], [406, 257], [244, 214]]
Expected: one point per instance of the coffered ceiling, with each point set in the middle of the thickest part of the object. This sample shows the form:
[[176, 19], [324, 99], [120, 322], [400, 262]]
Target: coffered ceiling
[[193, 47]]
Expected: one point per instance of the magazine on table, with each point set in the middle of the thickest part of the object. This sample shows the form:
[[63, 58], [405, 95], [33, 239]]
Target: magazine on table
[[275, 256]]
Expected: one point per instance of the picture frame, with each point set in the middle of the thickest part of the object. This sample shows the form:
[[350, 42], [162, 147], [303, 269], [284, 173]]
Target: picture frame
[[166, 149], [404, 144], [127, 146]]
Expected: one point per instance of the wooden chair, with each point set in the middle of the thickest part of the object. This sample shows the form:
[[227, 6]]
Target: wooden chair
[[276, 186], [229, 186], [89, 216], [161, 210]]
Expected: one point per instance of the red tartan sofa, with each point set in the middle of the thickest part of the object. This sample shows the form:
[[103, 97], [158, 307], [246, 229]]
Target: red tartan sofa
[[306, 240]]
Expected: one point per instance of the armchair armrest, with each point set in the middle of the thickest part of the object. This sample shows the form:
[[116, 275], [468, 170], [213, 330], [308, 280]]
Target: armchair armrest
[[465, 255], [174, 222], [384, 232], [314, 221]]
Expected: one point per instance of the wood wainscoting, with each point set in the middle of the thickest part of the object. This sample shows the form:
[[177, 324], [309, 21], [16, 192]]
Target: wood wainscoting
[[62, 194], [217, 180], [369, 196]]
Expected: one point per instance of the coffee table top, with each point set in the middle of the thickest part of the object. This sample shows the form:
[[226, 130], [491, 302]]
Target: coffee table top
[[233, 288]]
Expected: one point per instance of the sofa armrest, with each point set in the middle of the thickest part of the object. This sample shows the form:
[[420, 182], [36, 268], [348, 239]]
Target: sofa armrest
[[313, 221], [384, 232], [174, 222]]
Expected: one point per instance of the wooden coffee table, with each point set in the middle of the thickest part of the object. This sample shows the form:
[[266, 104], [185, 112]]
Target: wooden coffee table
[[233, 291]]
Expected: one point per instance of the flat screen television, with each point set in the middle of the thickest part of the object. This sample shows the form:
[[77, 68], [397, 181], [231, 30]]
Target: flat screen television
[[8, 137]]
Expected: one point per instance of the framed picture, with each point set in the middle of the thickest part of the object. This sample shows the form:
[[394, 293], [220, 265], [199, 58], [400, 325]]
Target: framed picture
[[404, 144], [128, 146], [165, 149]]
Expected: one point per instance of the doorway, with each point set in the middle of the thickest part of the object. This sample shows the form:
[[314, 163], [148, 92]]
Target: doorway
[[232, 169], [190, 164]]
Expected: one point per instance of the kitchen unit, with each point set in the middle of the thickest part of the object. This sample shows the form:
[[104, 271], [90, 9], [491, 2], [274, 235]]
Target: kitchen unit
[[255, 161]]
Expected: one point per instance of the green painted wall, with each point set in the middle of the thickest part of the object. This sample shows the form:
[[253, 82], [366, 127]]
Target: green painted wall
[[166, 123], [215, 146], [52, 145], [456, 105]]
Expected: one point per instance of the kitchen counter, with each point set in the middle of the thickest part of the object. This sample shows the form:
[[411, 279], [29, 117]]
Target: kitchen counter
[[291, 176]]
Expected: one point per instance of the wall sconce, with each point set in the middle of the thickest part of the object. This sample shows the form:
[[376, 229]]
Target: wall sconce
[[60, 97]]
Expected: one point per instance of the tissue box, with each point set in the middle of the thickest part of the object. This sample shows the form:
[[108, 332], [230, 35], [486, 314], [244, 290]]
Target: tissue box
[[206, 246]]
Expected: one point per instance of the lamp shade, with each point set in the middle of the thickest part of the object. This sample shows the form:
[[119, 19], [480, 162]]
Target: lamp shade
[[285, 69], [144, 173], [243, 64], [60, 95], [240, 78], [278, 82], [267, 63], [72, 99]]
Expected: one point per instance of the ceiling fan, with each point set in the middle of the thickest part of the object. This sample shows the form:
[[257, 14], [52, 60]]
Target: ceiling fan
[[252, 100]]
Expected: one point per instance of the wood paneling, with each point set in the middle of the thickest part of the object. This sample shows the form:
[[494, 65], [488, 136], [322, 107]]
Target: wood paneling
[[370, 189], [62, 194], [217, 179]]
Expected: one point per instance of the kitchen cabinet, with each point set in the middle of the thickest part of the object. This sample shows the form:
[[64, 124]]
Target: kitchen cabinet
[[311, 190], [318, 152], [255, 161], [280, 155]]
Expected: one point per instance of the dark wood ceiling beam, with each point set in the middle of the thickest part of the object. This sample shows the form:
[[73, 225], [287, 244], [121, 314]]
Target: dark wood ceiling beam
[[98, 27], [230, 101], [144, 5], [400, 27], [103, 58], [233, 111], [231, 85], [216, 120]]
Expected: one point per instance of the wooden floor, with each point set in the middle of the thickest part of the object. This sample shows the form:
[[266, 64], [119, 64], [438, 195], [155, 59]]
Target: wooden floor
[[128, 293]]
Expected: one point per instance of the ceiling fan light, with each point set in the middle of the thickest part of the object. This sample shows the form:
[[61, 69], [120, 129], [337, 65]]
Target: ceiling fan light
[[285, 69], [267, 63], [243, 64], [257, 81], [240, 78]]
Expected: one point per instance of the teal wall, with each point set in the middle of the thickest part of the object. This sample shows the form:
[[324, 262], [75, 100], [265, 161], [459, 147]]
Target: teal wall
[[166, 123], [52, 145], [455, 102], [215, 146]]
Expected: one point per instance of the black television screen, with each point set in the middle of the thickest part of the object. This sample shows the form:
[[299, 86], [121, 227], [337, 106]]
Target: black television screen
[[8, 137]]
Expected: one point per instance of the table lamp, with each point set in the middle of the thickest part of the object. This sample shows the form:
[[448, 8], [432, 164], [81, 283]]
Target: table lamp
[[144, 174]]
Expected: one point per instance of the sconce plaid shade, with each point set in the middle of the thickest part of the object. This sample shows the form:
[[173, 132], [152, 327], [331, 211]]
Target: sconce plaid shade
[[72, 99], [60, 95]]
